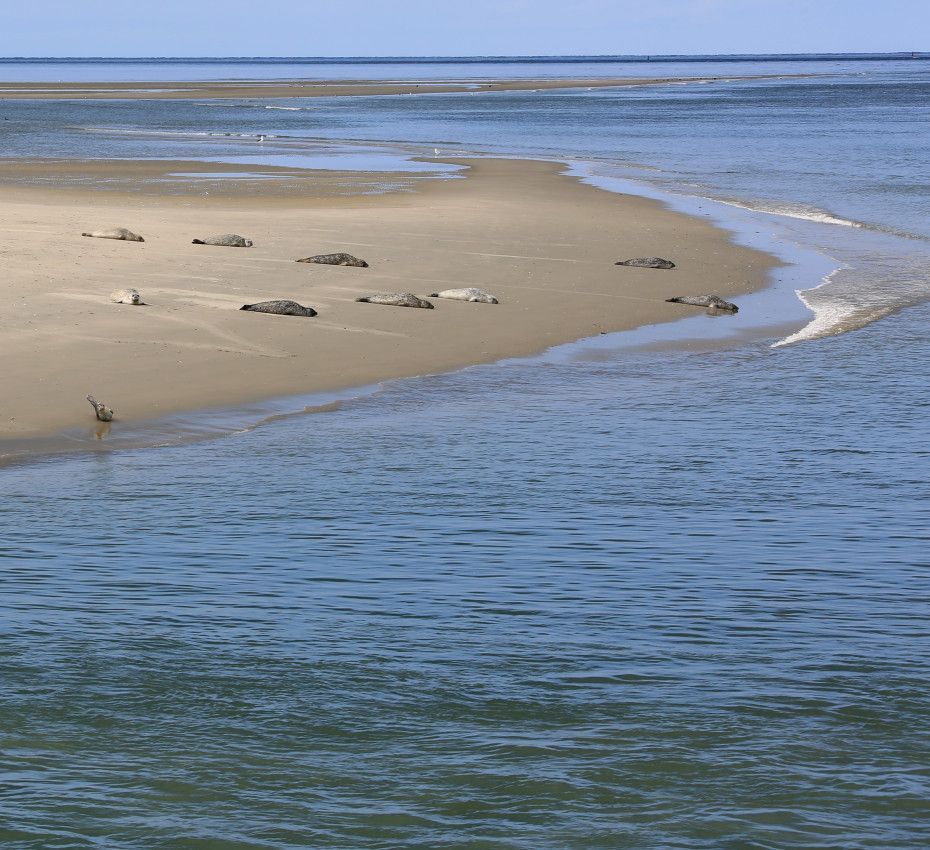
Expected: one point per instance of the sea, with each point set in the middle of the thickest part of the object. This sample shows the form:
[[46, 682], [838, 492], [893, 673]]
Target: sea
[[668, 588]]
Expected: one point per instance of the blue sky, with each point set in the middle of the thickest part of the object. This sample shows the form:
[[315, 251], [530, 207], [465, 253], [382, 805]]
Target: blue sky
[[472, 27]]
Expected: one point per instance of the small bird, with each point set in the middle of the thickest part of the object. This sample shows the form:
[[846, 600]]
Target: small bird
[[104, 413]]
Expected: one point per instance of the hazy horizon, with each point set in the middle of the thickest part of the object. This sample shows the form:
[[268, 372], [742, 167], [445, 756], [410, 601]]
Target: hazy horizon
[[366, 28]]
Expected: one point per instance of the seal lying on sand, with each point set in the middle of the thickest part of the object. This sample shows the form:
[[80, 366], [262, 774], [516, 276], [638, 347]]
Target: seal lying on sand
[[469, 293], [104, 413], [225, 240], [280, 308], [397, 299], [647, 263], [335, 260], [127, 296], [115, 233], [712, 302]]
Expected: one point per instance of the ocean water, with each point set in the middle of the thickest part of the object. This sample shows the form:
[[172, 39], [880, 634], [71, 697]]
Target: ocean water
[[627, 594]]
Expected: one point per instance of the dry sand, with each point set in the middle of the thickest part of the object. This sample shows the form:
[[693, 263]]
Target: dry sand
[[543, 242], [319, 88]]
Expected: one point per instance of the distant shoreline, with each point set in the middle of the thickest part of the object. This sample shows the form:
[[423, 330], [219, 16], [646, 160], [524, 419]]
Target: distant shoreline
[[225, 89]]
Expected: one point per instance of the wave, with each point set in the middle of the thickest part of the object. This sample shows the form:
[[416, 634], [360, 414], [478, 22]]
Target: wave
[[851, 298], [815, 214], [800, 211], [178, 134]]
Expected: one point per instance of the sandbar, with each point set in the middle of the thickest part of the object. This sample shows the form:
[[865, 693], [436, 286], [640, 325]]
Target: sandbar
[[545, 243]]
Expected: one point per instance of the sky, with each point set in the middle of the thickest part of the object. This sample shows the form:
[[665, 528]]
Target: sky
[[463, 27]]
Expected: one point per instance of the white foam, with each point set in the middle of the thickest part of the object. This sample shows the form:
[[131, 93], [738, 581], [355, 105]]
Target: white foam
[[791, 211]]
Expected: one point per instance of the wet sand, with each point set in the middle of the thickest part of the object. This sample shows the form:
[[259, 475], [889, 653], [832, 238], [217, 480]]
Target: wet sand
[[319, 88], [543, 242]]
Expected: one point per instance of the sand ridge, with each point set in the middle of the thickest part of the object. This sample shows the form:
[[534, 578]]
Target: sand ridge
[[225, 89]]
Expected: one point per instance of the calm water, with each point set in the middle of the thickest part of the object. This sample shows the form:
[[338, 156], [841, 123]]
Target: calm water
[[613, 597]]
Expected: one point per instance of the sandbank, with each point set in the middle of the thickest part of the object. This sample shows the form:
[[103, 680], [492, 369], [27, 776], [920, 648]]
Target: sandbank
[[543, 242], [197, 90]]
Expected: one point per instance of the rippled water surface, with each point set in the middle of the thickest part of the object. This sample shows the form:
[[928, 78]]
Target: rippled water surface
[[614, 598]]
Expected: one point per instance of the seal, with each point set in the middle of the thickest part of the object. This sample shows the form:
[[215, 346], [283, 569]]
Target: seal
[[469, 293], [115, 233], [335, 260], [225, 240], [647, 263], [104, 413], [712, 302], [397, 299], [127, 296], [282, 307]]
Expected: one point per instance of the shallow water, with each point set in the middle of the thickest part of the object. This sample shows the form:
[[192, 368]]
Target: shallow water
[[612, 599]]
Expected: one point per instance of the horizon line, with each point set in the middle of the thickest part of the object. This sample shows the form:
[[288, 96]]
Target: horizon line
[[477, 57]]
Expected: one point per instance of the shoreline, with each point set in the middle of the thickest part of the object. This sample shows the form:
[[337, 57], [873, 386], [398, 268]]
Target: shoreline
[[226, 89], [537, 237]]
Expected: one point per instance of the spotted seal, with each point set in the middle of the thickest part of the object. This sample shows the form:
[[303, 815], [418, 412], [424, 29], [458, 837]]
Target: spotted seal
[[646, 263], [281, 307], [104, 413], [225, 240], [127, 296], [469, 293], [335, 260], [115, 233], [712, 302], [397, 299]]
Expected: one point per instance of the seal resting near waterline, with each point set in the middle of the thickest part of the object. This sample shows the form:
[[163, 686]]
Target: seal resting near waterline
[[121, 233], [646, 263], [711, 302], [127, 296], [335, 260], [225, 240], [282, 307], [469, 293], [104, 413], [397, 299]]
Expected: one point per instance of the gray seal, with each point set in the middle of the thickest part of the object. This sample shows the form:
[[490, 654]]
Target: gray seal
[[469, 293], [127, 296], [647, 263], [335, 260], [104, 413], [225, 240], [282, 307], [115, 233], [397, 299], [712, 302]]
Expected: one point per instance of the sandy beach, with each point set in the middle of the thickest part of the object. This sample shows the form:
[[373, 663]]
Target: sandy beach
[[542, 242], [195, 90]]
